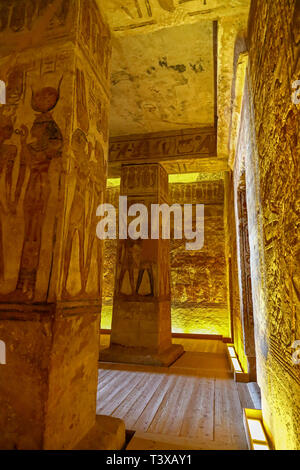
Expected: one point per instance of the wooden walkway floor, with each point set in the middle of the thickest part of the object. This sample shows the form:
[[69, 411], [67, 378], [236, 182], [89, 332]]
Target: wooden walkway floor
[[194, 404]]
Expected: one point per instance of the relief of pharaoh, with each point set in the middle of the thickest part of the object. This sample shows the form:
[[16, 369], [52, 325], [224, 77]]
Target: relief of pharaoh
[[46, 145]]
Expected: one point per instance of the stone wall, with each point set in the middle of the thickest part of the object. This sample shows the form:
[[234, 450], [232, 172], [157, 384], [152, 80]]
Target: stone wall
[[198, 278], [269, 142]]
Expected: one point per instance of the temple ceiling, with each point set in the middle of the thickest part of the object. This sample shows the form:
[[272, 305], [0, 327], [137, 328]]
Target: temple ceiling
[[163, 80], [173, 64]]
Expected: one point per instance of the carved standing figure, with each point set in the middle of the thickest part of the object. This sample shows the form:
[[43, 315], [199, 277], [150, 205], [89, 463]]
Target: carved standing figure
[[8, 154], [37, 155], [77, 218]]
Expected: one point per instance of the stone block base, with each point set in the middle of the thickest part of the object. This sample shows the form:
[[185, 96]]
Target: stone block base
[[141, 355], [107, 434]]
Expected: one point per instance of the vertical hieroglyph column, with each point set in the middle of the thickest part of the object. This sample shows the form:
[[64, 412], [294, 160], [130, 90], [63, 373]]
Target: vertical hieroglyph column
[[141, 322], [54, 59]]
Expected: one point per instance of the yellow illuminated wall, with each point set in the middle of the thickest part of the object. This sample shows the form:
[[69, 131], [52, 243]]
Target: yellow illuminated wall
[[198, 278]]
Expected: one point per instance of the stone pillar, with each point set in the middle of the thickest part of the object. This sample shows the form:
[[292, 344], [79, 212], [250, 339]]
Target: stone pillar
[[141, 322], [54, 59]]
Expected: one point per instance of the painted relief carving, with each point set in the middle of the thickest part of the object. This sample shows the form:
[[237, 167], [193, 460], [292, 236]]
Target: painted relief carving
[[35, 157], [8, 154], [47, 145], [145, 13], [142, 267], [82, 113], [129, 259], [139, 179], [15, 86], [102, 122], [202, 192], [98, 171], [138, 270], [20, 15], [162, 147], [77, 218], [87, 178], [95, 36], [197, 281], [148, 263]]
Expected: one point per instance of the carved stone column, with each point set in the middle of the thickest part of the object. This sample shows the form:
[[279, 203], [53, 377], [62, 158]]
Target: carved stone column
[[141, 322], [54, 59]]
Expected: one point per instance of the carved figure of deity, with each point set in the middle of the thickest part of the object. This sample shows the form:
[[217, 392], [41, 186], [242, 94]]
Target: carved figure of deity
[[37, 155], [8, 154], [77, 216]]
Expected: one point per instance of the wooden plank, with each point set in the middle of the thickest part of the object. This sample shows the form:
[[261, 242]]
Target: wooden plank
[[121, 392], [140, 404], [103, 376], [222, 412], [109, 382], [199, 420], [228, 415], [147, 416], [152, 441], [167, 407], [178, 407], [237, 431], [175, 419], [132, 397]]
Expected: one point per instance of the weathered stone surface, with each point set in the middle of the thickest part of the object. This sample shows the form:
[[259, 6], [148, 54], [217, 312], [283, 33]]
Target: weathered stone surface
[[164, 71], [143, 16], [198, 279], [107, 434], [223, 102], [162, 147], [141, 320], [269, 142], [53, 157]]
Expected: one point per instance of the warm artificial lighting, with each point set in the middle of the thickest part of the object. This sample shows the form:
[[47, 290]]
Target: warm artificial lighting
[[231, 351], [195, 177], [113, 182], [256, 435], [260, 447], [236, 364], [234, 360], [256, 430]]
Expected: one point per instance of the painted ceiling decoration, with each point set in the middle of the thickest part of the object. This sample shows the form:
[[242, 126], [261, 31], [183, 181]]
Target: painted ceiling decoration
[[172, 64], [140, 16], [156, 77]]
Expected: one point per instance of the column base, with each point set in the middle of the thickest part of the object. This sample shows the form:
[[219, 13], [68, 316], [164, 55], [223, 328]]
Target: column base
[[107, 434], [144, 356]]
